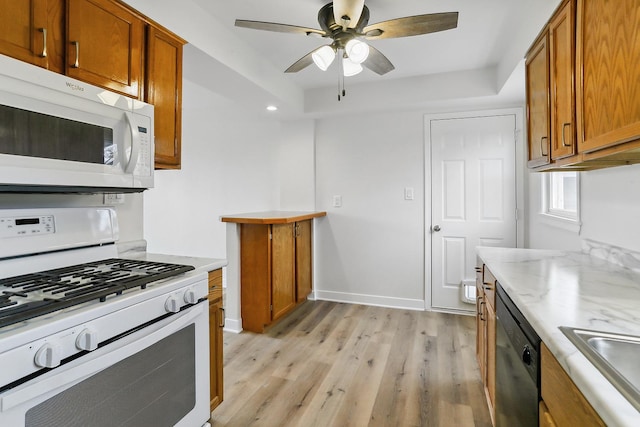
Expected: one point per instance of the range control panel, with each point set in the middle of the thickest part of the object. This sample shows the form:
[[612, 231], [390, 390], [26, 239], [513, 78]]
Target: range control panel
[[26, 226]]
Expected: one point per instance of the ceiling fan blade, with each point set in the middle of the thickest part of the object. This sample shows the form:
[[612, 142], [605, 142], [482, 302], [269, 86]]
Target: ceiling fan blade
[[280, 28], [301, 63], [350, 8], [412, 26], [377, 62]]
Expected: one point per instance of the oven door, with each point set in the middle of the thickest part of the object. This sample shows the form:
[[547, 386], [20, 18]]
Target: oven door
[[155, 376]]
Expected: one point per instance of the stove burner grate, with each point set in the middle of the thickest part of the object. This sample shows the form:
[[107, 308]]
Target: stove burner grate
[[31, 295]]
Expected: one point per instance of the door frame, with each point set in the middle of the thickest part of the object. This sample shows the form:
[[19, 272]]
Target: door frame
[[520, 163]]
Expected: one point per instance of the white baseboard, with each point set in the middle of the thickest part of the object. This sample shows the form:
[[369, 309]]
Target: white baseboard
[[390, 302], [232, 325]]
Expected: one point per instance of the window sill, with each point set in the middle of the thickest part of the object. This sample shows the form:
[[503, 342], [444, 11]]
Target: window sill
[[571, 225]]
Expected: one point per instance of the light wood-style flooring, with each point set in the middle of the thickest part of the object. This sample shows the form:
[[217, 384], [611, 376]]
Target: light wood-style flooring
[[334, 364]]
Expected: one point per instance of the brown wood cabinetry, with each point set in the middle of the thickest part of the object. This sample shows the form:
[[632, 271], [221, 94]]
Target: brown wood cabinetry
[[561, 63], [33, 31], [609, 58], [163, 89], [105, 45], [566, 404], [216, 323], [486, 332], [594, 52], [537, 88], [275, 264], [272, 258]]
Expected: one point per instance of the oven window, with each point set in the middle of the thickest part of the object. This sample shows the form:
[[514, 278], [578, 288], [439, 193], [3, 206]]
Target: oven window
[[26, 133], [155, 387]]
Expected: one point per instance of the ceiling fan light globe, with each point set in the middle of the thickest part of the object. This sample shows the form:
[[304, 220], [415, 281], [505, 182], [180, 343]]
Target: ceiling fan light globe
[[357, 51], [323, 57], [350, 68]]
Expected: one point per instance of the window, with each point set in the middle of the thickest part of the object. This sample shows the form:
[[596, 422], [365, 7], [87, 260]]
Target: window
[[561, 196]]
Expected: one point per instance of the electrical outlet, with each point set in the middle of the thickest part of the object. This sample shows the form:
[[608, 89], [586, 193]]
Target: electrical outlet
[[113, 198], [408, 193], [337, 201]]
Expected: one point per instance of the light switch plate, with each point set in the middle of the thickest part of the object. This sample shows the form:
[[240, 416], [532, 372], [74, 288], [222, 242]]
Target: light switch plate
[[408, 193], [337, 201]]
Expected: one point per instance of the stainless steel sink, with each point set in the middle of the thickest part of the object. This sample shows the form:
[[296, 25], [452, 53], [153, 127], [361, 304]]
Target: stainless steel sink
[[617, 356]]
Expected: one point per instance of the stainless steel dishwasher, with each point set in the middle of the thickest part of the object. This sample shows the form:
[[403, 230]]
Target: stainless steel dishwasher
[[517, 366]]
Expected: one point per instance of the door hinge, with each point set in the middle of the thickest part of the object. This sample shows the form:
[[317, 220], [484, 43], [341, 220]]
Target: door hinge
[[270, 236], [271, 307]]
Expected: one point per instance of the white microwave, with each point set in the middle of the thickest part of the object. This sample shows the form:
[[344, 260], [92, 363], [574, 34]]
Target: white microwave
[[58, 134]]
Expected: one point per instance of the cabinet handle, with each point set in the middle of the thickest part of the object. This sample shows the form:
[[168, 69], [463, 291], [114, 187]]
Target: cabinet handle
[[76, 64], [564, 143], [542, 146], [44, 42], [481, 312], [224, 320]]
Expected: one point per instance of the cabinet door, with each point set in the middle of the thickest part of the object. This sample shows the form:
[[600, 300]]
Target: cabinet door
[[304, 271], [537, 88], [164, 90], [216, 323], [481, 339], [255, 270], [491, 355], [562, 60], [104, 45], [608, 89], [33, 31], [283, 292]]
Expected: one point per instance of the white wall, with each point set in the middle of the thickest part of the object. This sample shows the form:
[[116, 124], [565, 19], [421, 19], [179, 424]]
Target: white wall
[[371, 249], [229, 165], [610, 209]]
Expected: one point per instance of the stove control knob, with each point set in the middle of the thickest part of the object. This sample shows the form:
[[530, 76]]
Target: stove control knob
[[172, 305], [87, 340], [190, 296], [48, 356]]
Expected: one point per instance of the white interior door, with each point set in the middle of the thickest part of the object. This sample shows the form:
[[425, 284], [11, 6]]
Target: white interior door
[[473, 198]]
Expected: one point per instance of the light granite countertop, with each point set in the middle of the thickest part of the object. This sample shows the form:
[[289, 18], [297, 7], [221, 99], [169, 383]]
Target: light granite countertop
[[559, 288]]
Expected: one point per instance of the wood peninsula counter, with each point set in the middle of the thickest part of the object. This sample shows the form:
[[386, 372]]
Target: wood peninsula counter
[[275, 264]]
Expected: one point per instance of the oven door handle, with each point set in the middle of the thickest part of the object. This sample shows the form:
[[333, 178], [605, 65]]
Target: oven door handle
[[101, 358]]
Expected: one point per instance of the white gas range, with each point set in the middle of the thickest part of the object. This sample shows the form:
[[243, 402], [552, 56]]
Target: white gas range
[[87, 338]]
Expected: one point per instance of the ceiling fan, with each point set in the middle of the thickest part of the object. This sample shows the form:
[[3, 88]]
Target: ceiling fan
[[345, 22]]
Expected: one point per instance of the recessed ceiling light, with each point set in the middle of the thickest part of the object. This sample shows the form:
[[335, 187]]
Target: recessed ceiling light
[[272, 108]]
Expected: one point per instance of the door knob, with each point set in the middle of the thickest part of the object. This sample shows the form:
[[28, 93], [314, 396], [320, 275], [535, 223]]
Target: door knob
[[436, 228]]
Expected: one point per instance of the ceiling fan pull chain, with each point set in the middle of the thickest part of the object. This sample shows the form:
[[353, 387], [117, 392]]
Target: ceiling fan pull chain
[[339, 74]]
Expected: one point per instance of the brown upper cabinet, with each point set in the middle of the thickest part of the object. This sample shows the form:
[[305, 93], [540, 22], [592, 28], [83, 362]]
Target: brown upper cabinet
[[561, 63], [609, 84], [107, 44], [164, 90], [537, 88], [33, 31], [593, 72]]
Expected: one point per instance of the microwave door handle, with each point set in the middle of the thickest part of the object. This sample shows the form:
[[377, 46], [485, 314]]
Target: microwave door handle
[[135, 144]]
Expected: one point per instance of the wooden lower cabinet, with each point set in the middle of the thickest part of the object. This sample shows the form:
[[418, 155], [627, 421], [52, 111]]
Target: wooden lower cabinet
[[546, 420], [275, 269], [216, 323], [486, 333], [567, 407]]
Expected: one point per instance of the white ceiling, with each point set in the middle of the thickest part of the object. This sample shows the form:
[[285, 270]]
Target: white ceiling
[[491, 35]]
